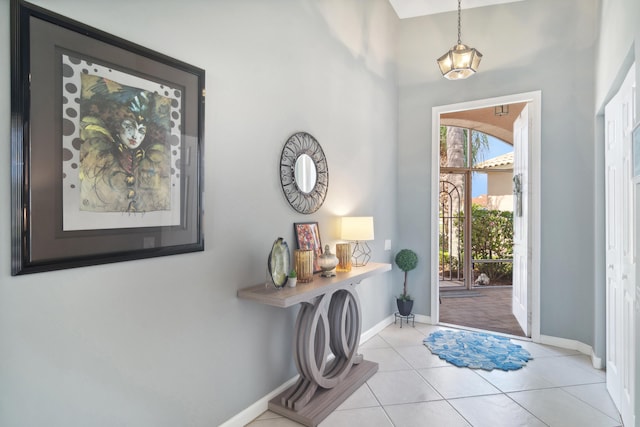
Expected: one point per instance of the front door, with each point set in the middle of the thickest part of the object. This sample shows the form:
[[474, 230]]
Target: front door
[[520, 295]]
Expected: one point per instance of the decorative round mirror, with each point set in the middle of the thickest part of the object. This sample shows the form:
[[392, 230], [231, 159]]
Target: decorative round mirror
[[304, 174]]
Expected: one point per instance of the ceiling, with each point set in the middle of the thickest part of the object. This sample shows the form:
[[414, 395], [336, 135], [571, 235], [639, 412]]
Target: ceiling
[[413, 8]]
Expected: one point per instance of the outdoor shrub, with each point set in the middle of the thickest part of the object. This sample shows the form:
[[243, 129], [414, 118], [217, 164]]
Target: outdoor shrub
[[491, 238]]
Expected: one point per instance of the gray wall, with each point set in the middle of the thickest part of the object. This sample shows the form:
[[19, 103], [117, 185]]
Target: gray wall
[[165, 342], [534, 45]]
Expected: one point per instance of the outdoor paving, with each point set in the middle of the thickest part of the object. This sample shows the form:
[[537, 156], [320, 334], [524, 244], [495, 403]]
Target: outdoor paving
[[487, 308]]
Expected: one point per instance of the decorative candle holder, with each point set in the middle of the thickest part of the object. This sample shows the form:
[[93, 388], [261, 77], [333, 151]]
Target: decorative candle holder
[[304, 265], [343, 252]]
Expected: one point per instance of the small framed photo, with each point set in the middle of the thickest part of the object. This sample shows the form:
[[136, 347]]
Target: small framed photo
[[106, 146], [308, 237]]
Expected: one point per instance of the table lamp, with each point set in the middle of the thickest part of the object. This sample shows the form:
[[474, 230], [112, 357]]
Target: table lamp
[[358, 229]]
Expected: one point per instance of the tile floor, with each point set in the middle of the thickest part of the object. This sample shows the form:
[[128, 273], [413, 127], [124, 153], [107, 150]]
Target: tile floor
[[415, 388]]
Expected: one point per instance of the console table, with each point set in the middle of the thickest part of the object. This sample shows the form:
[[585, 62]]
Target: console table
[[326, 340]]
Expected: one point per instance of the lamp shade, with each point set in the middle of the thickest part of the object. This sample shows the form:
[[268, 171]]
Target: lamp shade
[[460, 62], [357, 228]]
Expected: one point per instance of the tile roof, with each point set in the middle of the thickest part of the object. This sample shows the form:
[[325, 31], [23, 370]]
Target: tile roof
[[494, 163]]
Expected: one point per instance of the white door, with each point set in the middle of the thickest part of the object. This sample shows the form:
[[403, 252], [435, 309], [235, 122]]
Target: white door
[[627, 244], [620, 257], [613, 234], [520, 299]]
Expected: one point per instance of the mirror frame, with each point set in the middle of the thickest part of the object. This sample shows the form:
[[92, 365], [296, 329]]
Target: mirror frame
[[297, 144]]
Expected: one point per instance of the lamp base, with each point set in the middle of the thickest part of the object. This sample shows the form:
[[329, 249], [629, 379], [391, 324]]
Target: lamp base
[[361, 254]]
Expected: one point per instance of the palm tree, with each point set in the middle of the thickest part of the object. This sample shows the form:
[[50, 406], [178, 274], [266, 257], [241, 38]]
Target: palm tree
[[453, 139]]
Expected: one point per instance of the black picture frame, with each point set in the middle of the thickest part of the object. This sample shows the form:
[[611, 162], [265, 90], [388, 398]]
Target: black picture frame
[[81, 194], [308, 237]]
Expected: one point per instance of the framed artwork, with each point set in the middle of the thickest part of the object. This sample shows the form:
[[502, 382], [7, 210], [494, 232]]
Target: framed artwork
[[308, 237], [107, 143]]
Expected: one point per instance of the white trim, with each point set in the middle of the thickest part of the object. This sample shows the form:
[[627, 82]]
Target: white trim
[[421, 318], [255, 410], [573, 345], [535, 103], [376, 329]]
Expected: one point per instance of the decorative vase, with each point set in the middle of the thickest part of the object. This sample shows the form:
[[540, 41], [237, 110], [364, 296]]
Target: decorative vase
[[327, 262], [304, 265], [404, 306], [278, 264], [343, 252]]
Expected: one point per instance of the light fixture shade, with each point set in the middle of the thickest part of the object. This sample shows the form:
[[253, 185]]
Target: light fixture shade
[[357, 228], [460, 62]]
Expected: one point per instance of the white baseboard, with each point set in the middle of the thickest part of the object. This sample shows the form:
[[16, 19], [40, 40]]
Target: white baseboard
[[573, 345], [255, 410], [421, 318], [376, 329]]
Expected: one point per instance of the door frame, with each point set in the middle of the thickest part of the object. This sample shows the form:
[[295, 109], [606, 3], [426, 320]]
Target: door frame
[[535, 111]]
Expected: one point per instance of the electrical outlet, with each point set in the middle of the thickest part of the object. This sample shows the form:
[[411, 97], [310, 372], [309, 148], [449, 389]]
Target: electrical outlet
[[387, 245]]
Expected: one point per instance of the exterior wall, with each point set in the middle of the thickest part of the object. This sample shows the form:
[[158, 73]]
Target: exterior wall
[[499, 191]]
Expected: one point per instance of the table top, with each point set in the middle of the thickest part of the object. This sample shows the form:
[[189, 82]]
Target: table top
[[303, 292]]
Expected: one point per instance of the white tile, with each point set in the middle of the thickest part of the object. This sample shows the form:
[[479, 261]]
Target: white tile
[[595, 395], [374, 342], [496, 410], [387, 358], [401, 387], [426, 329], [556, 407], [369, 417], [452, 382], [542, 350], [586, 363], [411, 383], [361, 398], [267, 415], [518, 380], [419, 357], [564, 371], [433, 414], [273, 422], [397, 336]]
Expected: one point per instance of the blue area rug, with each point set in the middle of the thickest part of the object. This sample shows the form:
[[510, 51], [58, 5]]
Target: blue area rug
[[477, 350]]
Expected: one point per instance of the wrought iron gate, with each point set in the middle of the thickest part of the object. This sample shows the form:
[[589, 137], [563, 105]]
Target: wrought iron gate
[[451, 226]]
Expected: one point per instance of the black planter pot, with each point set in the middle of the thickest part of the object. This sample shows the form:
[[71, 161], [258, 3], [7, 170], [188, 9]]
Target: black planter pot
[[404, 306]]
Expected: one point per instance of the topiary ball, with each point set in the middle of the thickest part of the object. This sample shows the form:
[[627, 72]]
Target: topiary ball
[[406, 259]]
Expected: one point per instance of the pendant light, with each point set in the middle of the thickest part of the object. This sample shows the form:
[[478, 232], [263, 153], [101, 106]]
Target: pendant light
[[461, 61]]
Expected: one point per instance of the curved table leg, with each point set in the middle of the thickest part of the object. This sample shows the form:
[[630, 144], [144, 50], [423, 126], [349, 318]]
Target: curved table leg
[[326, 340]]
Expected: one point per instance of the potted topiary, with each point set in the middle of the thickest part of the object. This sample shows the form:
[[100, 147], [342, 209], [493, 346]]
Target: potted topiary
[[406, 260]]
